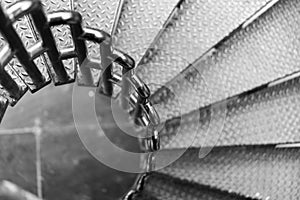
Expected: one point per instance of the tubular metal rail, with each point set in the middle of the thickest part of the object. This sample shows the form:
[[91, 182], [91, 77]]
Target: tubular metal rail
[[13, 89], [224, 78], [235, 101]]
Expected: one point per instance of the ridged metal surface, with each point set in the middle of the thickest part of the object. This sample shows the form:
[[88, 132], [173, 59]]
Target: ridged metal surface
[[21, 85], [258, 172], [100, 15], [22, 27], [164, 187], [262, 52], [140, 22], [62, 34], [268, 116], [96, 14], [198, 26]]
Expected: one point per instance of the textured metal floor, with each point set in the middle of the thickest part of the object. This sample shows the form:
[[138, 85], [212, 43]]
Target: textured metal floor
[[162, 187], [262, 52], [196, 27], [224, 78], [262, 172], [267, 116]]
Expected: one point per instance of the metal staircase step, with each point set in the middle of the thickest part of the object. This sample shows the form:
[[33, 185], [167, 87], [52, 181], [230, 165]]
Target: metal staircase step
[[164, 187], [196, 27], [267, 116], [23, 30], [103, 15], [139, 24], [262, 172], [262, 52]]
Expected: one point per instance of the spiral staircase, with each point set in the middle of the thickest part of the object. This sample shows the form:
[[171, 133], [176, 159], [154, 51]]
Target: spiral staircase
[[224, 79]]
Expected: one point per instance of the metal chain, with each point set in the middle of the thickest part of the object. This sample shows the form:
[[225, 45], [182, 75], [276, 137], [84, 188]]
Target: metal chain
[[139, 185], [135, 101]]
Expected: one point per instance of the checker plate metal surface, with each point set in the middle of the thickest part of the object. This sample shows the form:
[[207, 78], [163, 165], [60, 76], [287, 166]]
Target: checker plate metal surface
[[259, 172], [98, 14], [198, 26], [101, 15], [268, 116], [264, 51], [140, 22], [164, 187], [16, 78], [23, 29], [62, 34]]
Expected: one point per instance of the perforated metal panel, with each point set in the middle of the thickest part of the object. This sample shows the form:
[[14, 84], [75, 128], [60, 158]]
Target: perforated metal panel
[[258, 172], [164, 187], [268, 116], [140, 22], [262, 52]]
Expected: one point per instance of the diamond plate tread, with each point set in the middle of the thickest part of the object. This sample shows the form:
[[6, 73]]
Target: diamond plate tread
[[198, 26], [101, 15], [264, 51], [262, 172], [22, 87], [15, 77], [98, 14], [140, 22], [23, 29], [164, 187], [62, 34], [267, 116]]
